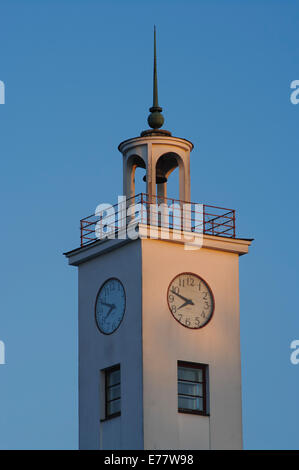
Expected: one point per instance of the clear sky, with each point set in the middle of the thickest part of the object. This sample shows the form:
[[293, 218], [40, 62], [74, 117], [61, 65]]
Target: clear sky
[[78, 78]]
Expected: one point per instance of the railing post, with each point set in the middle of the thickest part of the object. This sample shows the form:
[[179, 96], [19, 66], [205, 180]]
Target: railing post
[[204, 218], [147, 208], [234, 221], [142, 199], [81, 233]]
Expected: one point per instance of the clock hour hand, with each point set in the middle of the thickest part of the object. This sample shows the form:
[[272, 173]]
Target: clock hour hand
[[187, 301]]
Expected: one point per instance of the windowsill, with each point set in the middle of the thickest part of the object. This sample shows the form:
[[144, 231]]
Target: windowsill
[[193, 412], [115, 415]]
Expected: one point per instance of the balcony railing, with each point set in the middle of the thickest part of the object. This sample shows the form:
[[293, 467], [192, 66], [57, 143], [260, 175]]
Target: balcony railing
[[161, 212]]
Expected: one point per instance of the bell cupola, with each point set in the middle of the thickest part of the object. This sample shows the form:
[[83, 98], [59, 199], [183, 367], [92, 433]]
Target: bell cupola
[[157, 152]]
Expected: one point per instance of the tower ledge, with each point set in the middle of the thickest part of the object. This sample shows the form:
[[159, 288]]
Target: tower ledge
[[80, 255]]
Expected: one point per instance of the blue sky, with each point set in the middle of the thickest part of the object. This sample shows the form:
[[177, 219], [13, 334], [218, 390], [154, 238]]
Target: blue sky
[[78, 78]]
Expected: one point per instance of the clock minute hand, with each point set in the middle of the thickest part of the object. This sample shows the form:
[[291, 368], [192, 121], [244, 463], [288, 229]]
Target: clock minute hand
[[189, 301]]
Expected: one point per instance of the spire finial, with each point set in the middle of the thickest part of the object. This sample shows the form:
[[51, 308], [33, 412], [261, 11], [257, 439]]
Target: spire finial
[[155, 94], [155, 119]]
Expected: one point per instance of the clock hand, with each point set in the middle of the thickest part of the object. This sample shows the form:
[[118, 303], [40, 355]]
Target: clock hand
[[183, 298], [111, 308], [106, 305], [188, 302]]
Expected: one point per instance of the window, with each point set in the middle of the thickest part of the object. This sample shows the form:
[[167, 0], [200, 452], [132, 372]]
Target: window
[[112, 392], [192, 388]]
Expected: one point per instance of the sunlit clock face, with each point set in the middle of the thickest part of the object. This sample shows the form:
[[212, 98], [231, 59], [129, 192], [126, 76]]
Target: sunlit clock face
[[190, 300], [110, 306]]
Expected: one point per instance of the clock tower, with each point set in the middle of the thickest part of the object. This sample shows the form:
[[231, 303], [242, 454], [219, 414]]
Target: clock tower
[[159, 326]]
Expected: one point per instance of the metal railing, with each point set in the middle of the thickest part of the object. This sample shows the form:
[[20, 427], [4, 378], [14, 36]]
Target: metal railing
[[159, 211]]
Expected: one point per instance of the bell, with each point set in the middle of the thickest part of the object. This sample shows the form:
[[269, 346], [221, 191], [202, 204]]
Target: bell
[[160, 177]]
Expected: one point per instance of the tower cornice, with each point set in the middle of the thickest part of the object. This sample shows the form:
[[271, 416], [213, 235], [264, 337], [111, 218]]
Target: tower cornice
[[239, 246]]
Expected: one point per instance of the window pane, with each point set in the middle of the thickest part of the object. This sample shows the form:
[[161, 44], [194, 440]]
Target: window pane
[[113, 407], [188, 388], [187, 403], [113, 392], [188, 373], [113, 377]]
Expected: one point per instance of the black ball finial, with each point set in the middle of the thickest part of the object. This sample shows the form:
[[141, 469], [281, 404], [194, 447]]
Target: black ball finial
[[155, 119]]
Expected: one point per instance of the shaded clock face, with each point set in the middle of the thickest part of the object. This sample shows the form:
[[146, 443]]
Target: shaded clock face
[[190, 300], [110, 306]]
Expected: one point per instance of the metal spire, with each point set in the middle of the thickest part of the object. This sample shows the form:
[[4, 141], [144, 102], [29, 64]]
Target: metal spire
[[155, 94], [155, 119]]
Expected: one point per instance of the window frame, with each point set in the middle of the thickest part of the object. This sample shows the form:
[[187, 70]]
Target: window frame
[[205, 388], [107, 402]]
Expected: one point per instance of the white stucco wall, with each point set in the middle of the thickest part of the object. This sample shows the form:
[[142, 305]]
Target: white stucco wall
[[165, 342], [98, 351]]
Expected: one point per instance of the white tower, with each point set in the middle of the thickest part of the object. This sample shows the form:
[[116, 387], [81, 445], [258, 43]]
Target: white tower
[[159, 336]]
